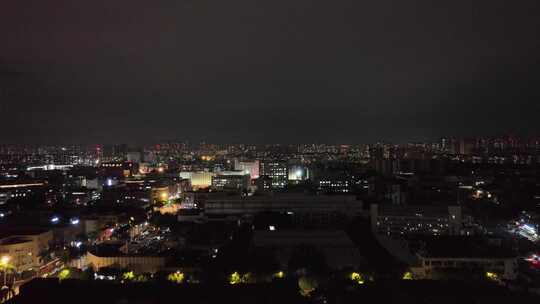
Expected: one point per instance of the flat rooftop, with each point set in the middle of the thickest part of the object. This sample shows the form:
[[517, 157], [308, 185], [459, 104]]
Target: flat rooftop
[[6, 232], [14, 240], [463, 247], [282, 197]]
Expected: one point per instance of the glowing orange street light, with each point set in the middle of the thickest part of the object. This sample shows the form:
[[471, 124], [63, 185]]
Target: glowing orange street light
[[164, 196], [4, 260], [4, 263]]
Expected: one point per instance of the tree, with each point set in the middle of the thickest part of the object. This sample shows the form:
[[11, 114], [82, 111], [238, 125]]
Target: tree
[[88, 273], [307, 285], [235, 278], [44, 256], [65, 256], [176, 277], [263, 262], [92, 235], [64, 274], [5, 269], [307, 258]]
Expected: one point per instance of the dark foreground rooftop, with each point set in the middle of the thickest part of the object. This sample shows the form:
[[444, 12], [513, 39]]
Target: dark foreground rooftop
[[403, 292]]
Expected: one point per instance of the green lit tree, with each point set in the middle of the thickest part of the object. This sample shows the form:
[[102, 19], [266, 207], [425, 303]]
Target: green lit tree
[[176, 277], [307, 285]]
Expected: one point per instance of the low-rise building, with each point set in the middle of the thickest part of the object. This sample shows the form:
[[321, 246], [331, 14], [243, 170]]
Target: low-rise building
[[19, 189], [198, 179], [249, 167], [231, 181], [441, 255], [278, 171], [316, 205], [23, 248], [399, 221], [108, 255], [338, 249], [334, 185]]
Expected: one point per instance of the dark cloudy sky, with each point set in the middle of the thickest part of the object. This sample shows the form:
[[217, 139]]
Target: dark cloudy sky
[[266, 70]]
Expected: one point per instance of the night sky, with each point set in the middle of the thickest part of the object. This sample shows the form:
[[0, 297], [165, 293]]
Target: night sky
[[265, 71]]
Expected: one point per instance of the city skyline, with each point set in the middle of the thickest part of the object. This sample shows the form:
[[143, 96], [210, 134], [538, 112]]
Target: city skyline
[[435, 140], [505, 139]]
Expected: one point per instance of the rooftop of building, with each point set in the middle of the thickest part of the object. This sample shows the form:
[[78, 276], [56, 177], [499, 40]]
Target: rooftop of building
[[14, 240], [294, 237], [462, 247], [284, 196], [117, 249], [6, 232], [413, 210], [21, 183], [189, 212], [232, 173]]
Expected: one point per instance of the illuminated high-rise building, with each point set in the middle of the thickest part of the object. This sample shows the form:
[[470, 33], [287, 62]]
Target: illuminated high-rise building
[[249, 167], [278, 171]]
